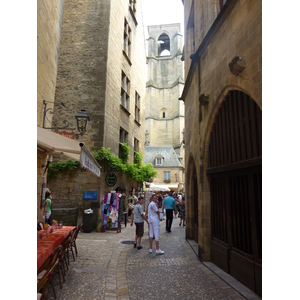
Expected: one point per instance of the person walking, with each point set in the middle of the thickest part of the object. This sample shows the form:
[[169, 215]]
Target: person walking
[[138, 218], [169, 204], [181, 213], [160, 208], [48, 208], [153, 219]]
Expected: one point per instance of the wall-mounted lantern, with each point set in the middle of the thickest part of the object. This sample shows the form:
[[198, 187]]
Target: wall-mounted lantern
[[82, 117]]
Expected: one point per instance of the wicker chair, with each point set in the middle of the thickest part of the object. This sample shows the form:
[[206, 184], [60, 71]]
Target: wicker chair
[[47, 266], [72, 243], [42, 285], [40, 226]]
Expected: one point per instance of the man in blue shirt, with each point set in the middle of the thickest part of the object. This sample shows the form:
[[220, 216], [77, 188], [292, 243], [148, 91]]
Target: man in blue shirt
[[169, 204]]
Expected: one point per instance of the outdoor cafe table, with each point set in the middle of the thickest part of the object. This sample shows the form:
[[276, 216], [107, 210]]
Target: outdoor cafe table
[[48, 244]]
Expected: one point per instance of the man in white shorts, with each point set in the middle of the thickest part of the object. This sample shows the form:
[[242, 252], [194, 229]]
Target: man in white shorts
[[153, 219]]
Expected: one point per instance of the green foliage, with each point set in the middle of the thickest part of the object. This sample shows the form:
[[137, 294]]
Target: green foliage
[[61, 166], [138, 159], [105, 155], [137, 171], [125, 152]]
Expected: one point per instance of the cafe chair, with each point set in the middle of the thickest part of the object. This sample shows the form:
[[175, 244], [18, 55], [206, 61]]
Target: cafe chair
[[42, 285], [60, 270], [40, 226], [65, 256], [73, 241], [47, 266]]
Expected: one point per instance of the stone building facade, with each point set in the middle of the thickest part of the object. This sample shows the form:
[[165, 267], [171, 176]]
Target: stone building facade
[[170, 171], [49, 20], [164, 114], [101, 68], [223, 134]]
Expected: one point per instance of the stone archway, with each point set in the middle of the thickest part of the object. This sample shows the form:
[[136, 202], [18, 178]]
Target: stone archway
[[235, 173], [192, 201]]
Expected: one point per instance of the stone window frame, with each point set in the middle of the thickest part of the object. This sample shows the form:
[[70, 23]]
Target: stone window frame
[[127, 40], [167, 175], [133, 10], [136, 145], [123, 138], [125, 92], [159, 160], [163, 112], [137, 107]]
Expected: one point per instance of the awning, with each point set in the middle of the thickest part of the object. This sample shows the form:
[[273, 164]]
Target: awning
[[162, 187], [52, 143]]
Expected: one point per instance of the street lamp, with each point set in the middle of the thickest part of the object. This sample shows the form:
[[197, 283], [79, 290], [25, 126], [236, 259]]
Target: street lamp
[[82, 117]]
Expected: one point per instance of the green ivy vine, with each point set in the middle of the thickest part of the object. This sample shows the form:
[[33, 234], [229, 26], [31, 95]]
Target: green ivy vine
[[138, 170], [61, 166]]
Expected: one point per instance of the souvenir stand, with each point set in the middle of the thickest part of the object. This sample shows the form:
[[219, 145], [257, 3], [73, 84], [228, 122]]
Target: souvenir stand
[[110, 211]]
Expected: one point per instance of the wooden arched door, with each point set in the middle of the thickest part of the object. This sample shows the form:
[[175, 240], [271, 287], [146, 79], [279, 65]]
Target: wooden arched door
[[235, 171]]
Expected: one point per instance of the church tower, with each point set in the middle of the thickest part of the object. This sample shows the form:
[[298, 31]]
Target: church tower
[[164, 113]]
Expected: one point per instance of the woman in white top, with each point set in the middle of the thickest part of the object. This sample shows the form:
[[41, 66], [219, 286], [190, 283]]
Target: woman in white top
[[153, 219]]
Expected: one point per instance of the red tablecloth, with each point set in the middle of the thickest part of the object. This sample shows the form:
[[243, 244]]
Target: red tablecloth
[[48, 244]]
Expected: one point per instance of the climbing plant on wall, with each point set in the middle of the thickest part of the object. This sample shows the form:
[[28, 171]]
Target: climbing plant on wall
[[138, 170]]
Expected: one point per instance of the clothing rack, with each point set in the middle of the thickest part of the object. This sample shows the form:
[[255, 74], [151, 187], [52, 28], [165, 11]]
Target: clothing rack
[[110, 211]]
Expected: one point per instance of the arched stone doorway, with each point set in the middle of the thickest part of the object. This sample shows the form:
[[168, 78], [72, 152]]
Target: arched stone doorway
[[235, 175]]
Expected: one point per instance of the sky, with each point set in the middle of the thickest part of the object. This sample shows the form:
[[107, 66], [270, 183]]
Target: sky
[[156, 12]]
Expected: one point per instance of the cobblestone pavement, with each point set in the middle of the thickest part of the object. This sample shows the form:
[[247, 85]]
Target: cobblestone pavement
[[106, 268]]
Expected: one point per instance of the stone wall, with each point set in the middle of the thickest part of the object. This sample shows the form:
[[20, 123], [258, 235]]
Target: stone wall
[[67, 193], [91, 62], [239, 35], [49, 19]]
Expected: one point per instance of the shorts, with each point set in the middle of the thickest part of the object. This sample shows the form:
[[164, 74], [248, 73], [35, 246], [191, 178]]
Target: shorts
[[154, 229], [139, 229]]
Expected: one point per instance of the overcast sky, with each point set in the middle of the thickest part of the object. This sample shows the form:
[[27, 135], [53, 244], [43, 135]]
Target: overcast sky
[[156, 12]]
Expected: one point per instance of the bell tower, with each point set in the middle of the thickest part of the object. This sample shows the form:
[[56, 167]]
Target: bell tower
[[164, 113]]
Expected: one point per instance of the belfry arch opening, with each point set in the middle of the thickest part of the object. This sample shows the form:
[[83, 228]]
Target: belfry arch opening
[[163, 45]]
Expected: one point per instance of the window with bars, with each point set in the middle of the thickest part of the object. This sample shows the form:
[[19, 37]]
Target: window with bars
[[125, 91], [127, 39], [137, 107]]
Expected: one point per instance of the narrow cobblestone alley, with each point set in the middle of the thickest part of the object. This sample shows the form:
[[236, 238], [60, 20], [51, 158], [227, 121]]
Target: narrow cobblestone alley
[[106, 268]]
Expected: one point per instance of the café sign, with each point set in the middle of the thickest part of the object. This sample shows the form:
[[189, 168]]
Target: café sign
[[111, 178], [88, 162]]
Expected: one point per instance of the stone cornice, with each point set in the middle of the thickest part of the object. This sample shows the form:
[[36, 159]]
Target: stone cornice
[[150, 83], [169, 57], [165, 119]]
